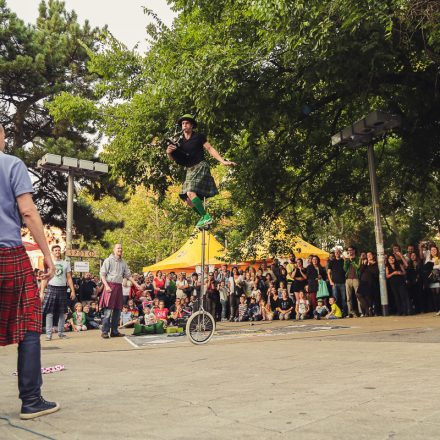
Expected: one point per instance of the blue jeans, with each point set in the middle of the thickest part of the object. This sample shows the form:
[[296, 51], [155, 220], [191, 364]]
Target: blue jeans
[[338, 292], [29, 367], [224, 304], [49, 323], [106, 324]]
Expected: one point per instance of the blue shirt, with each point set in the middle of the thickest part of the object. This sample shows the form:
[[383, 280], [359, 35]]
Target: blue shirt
[[14, 181]]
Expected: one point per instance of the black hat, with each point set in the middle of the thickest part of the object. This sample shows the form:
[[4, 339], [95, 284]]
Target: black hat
[[187, 117]]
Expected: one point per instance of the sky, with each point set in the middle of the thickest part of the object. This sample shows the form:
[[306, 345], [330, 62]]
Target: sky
[[125, 18]]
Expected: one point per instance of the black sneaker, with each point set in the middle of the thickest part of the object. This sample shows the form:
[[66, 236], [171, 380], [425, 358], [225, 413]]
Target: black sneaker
[[38, 407], [116, 335], [105, 335]]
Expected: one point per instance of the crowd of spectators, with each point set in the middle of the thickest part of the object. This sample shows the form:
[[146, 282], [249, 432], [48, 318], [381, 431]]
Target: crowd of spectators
[[346, 286]]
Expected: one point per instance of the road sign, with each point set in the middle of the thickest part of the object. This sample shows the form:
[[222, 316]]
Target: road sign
[[81, 266], [80, 253]]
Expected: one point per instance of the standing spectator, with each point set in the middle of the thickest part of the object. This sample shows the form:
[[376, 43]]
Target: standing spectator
[[315, 272], [181, 286], [159, 285], [336, 277], [247, 284], [149, 286], [87, 288], [397, 252], [211, 295], [223, 293], [351, 269], [299, 278], [223, 275], [284, 306], [113, 271], [368, 274], [20, 305], [235, 291], [395, 274], [55, 300], [290, 267], [415, 283], [432, 268]]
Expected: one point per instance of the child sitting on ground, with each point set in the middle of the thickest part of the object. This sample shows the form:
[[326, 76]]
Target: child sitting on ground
[[302, 306], [161, 312], [266, 311], [78, 320], [127, 319], [149, 316], [321, 310], [254, 310], [242, 310], [90, 315], [335, 311]]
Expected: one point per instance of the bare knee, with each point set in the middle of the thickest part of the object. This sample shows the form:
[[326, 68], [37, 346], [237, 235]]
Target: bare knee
[[191, 195]]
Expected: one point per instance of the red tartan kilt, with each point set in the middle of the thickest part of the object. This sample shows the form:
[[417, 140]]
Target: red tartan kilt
[[20, 304]]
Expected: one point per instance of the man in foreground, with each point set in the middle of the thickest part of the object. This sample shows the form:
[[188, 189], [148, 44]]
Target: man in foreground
[[20, 305]]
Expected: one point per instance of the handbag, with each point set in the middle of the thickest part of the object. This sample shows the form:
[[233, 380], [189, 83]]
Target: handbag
[[322, 290]]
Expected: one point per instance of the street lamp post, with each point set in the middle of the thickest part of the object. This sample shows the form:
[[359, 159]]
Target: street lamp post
[[73, 167], [365, 132]]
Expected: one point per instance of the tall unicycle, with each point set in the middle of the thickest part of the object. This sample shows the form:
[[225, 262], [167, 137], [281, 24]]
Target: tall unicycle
[[201, 325]]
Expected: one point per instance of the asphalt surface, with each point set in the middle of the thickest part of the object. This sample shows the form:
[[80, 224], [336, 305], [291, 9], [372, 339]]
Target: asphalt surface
[[365, 378]]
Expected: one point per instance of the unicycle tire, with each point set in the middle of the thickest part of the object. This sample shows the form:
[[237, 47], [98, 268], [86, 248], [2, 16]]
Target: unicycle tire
[[200, 327]]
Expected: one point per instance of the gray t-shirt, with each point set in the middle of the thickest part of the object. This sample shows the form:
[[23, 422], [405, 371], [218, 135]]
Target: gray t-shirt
[[60, 277], [14, 181]]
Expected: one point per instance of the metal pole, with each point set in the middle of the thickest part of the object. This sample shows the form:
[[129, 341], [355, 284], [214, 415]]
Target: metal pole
[[378, 229], [202, 287], [69, 222]]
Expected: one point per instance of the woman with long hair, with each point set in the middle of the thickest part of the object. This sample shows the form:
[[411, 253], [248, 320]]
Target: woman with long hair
[[395, 274], [432, 270], [315, 272], [159, 285], [235, 285], [415, 283], [299, 275], [368, 283]]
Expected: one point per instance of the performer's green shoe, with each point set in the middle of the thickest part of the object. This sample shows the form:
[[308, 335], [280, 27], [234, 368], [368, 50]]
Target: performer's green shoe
[[204, 221]]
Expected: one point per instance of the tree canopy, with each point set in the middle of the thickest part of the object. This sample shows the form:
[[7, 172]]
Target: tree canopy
[[270, 81]]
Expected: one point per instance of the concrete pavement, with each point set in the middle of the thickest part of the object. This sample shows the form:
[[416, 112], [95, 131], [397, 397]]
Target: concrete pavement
[[376, 379]]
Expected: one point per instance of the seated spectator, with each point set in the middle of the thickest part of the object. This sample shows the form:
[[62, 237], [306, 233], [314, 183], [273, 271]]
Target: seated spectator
[[161, 312], [321, 310], [176, 315], [133, 309], [266, 311], [335, 311], [127, 319], [272, 299], [280, 289], [90, 317], [186, 308], [78, 320], [284, 305], [242, 309], [254, 310], [302, 307], [149, 317]]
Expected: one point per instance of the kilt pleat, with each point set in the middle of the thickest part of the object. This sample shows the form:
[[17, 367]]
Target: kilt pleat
[[199, 180], [20, 304], [56, 299]]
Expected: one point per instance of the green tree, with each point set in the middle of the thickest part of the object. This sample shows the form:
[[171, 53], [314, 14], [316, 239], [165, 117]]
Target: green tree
[[41, 66], [271, 81]]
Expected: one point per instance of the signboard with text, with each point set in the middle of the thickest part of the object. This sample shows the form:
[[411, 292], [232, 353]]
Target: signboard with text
[[80, 253], [81, 266]]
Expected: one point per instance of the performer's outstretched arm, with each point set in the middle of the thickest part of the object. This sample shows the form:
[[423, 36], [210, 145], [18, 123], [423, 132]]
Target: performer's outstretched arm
[[216, 155]]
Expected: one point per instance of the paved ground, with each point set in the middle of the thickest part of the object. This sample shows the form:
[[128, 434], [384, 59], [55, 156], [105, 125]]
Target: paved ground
[[375, 378]]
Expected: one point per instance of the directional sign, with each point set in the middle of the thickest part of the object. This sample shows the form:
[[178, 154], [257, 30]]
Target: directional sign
[[81, 266], [80, 253]]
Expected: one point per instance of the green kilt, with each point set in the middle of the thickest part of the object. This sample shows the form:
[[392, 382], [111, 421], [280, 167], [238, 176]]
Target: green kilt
[[199, 180]]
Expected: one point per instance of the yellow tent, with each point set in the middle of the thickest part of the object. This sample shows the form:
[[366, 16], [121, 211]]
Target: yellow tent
[[190, 255], [302, 249]]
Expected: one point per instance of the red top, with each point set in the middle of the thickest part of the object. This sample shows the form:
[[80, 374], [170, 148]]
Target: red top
[[160, 284]]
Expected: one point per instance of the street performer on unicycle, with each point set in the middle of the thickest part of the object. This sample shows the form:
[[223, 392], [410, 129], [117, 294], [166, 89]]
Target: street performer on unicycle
[[189, 151]]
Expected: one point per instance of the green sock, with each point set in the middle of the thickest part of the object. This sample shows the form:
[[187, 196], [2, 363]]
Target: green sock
[[198, 204]]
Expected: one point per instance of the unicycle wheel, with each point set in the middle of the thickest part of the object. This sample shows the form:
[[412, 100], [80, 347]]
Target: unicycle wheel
[[200, 327]]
